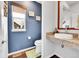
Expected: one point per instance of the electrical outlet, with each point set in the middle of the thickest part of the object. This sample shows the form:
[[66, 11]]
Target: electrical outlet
[[29, 37]]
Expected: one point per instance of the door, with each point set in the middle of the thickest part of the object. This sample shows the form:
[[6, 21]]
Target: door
[[3, 33]]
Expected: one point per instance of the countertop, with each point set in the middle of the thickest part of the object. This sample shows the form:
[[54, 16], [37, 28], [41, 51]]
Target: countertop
[[50, 35]]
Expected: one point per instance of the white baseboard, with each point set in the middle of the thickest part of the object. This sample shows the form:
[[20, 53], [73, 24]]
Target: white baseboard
[[21, 50]]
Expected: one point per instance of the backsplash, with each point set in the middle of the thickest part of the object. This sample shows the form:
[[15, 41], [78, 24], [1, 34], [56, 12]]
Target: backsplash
[[69, 31]]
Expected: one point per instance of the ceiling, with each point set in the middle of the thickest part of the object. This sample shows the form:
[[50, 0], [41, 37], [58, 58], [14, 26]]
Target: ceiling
[[39, 2], [26, 2], [70, 3]]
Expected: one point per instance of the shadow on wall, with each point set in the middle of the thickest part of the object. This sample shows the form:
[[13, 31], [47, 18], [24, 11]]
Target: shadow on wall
[[19, 40]]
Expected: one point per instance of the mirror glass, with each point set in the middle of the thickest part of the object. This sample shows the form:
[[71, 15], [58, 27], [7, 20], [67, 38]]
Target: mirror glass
[[69, 14]]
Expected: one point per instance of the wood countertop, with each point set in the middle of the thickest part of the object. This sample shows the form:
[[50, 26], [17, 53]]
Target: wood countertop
[[50, 35]]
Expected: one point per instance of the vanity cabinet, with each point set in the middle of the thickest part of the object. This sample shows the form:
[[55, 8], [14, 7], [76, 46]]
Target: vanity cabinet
[[69, 49]]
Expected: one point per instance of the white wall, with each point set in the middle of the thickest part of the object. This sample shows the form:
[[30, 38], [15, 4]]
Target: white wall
[[48, 25]]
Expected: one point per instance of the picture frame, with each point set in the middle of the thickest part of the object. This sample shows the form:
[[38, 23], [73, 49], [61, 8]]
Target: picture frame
[[38, 18], [31, 13]]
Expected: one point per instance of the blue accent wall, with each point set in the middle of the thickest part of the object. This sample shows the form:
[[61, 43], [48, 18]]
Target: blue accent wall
[[19, 40]]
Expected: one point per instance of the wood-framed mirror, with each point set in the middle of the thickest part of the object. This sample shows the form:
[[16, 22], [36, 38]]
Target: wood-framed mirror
[[18, 17], [68, 15]]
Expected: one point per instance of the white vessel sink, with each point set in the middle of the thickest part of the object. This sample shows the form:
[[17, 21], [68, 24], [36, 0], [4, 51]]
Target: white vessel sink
[[63, 36]]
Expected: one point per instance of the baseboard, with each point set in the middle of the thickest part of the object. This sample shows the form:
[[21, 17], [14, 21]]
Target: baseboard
[[20, 51]]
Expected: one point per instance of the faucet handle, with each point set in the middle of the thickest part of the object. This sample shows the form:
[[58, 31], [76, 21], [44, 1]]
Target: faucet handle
[[62, 45]]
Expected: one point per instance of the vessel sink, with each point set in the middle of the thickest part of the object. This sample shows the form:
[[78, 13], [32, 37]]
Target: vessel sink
[[63, 36]]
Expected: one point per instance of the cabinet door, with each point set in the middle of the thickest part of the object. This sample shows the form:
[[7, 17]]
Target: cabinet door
[[70, 50]]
